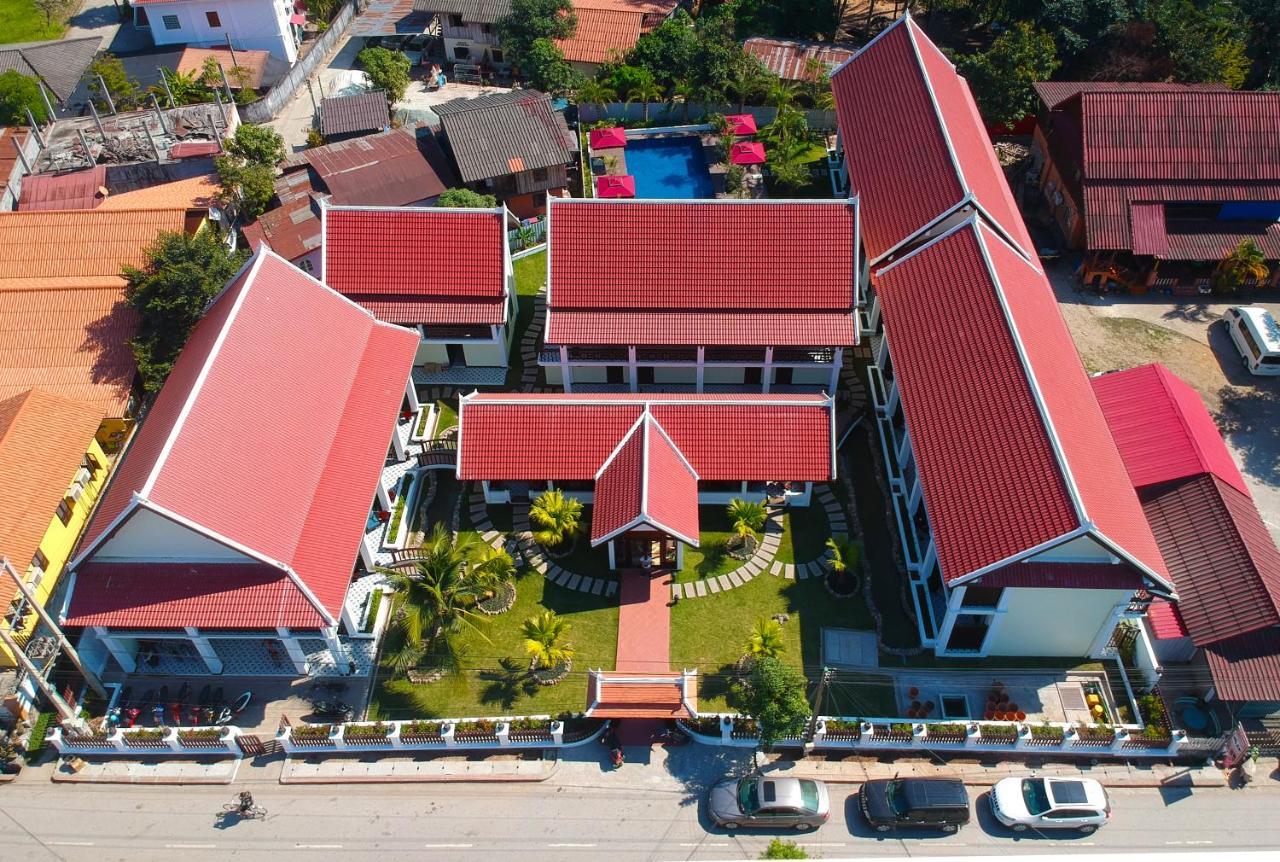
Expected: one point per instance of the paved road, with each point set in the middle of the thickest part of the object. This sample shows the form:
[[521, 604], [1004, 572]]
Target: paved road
[[566, 818]]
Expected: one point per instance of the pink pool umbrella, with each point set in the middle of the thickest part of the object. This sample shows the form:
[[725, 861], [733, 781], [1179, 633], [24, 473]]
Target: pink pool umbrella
[[616, 186], [747, 153], [608, 138], [743, 124]]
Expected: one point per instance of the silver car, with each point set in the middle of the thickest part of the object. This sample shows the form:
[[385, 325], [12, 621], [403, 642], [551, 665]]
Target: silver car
[[1050, 803], [758, 801]]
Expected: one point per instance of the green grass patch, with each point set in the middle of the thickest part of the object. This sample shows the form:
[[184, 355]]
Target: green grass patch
[[446, 416], [21, 21], [493, 679], [711, 557], [397, 511], [805, 533], [709, 633], [39, 730], [371, 617], [531, 276]]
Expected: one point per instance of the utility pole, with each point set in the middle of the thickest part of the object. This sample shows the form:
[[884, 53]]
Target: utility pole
[[89, 676], [817, 704]]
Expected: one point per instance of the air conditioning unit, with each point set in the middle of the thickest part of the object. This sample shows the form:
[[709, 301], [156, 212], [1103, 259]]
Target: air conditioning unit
[[83, 477], [75, 491]]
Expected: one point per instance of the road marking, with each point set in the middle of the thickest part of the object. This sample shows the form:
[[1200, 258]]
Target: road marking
[[190, 846], [447, 846], [571, 845], [821, 844], [318, 846], [70, 843], [1188, 842]]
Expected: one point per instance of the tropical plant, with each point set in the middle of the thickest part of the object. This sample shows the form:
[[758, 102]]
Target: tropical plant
[[595, 93], [846, 556], [766, 639], [1246, 262], [682, 93], [645, 92], [789, 127], [774, 695], [747, 79], [186, 87], [437, 596], [544, 639], [18, 94], [465, 198], [748, 517], [556, 517], [783, 94], [786, 168]]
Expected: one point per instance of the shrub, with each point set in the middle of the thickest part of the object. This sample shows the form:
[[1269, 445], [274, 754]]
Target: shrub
[[146, 734], [39, 730], [200, 734], [947, 730], [530, 724], [420, 728], [998, 731], [311, 731], [779, 849], [477, 727], [379, 730], [1046, 731]]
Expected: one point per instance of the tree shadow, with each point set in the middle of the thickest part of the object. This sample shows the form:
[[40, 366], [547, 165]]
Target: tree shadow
[[1192, 312], [699, 767], [506, 686], [1249, 417]]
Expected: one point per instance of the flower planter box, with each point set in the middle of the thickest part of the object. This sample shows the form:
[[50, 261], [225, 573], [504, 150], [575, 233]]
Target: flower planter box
[[890, 733], [90, 741], [1046, 737], [744, 728], [841, 731], [1146, 743], [367, 734], [475, 731], [946, 733], [997, 735], [1094, 738], [312, 735], [530, 736], [211, 738], [145, 739]]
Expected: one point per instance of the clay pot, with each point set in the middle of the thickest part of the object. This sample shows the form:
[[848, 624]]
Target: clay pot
[[1020, 716]]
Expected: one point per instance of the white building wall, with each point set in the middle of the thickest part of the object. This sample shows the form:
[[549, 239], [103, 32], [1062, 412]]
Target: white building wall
[[553, 375], [485, 354], [1051, 622], [587, 374], [1082, 549], [431, 352], [687, 375], [819, 376], [148, 536], [722, 375], [261, 25]]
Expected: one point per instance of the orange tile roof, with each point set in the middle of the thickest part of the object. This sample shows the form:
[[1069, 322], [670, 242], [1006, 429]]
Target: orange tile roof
[[253, 62], [43, 438], [192, 193], [64, 323], [609, 27]]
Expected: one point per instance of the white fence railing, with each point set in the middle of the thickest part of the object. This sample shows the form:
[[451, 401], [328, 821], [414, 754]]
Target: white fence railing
[[676, 114]]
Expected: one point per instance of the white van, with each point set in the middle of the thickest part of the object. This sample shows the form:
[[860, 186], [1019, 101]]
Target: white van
[[1257, 337]]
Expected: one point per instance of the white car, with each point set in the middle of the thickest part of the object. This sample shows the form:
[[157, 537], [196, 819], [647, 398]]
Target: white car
[[1257, 336], [1050, 803]]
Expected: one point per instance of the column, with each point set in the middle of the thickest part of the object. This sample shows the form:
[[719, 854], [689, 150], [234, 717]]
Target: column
[[384, 497], [837, 362], [341, 657], [613, 563], [205, 649], [954, 601], [118, 652], [766, 373], [397, 444], [566, 373], [411, 394], [632, 371], [679, 554], [293, 649], [702, 358]]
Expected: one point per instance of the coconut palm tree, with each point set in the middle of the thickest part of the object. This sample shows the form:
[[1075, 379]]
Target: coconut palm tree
[[747, 78], [544, 640], [766, 640], [682, 93], [645, 92], [556, 517], [783, 94], [748, 517], [595, 93], [1245, 262], [846, 556]]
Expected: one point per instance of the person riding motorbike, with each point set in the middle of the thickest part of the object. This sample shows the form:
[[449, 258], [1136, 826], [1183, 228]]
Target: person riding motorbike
[[246, 802]]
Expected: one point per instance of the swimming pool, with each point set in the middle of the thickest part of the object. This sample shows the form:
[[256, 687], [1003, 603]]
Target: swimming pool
[[669, 167]]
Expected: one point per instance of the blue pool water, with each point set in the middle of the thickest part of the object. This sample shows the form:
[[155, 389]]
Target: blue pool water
[[669, 167]]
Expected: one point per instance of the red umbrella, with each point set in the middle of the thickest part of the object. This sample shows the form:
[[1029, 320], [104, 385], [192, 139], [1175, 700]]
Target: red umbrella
[[747, 153], [616, 186], [608, 138], [743, 124]]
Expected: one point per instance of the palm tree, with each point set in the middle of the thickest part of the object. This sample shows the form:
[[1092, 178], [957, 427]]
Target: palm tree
[[787, 128], [766, 640], [748, 517], [595, 93], [747, 78], [544, 640], [1245, 262], [645, 92], [783, 94], [846, 555], [556, 516], [682, 92], [491, 566]]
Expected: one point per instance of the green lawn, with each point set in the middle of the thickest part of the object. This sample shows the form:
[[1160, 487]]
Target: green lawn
[[805, 534], [711, 557], [21, 21], [709, 633], [493, 678], [531, 275], [446, 416]]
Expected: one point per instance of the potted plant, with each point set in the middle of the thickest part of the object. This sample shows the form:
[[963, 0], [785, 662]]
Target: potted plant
[[846, 558]]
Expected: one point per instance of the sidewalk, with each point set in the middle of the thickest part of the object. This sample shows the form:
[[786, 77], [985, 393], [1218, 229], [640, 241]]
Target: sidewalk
[[116, 771], [355, 770]]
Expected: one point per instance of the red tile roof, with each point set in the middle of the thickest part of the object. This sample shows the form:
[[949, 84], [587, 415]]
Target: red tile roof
[[1246, 667], [299, 496], [715, 257], [989, 358], [789, 58], [569, 437], [641, 700], [916, 147], [1165, 621], [208, 595], [1162, 428], [646, 483], [78, 190], [619, 494], [608, 29], [448, 265], [710, 328], [253, 64]]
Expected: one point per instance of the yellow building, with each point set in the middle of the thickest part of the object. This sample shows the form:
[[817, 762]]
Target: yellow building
[[52, 470]]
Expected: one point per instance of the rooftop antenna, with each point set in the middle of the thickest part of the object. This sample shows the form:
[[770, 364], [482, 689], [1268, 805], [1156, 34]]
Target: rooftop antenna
[[106, 94]]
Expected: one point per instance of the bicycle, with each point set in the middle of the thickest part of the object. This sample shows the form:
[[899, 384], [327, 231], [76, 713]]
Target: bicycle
[[254, 812]]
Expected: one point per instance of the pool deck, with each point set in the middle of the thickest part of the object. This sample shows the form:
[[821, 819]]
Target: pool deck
[[615, 158]]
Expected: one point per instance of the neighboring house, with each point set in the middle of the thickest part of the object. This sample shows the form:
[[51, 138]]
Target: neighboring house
[[1020, 530], [404, 167], [1224, 630], [53, 470], [709, 295], [244, 69], [227, 539], [467, 28], [608, 29], [1159, 223], [345, 117], [795, 59], [444, 273], [62, 297], [274, 26], [59, 64], [511, 144], [646, 463]]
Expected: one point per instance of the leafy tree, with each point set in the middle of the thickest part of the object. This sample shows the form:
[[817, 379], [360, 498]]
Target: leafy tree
[[766, 639], [846, 556], [544, 639], [622, 78], [531, 20], [644, 93], [1246, 261], [260, 144], [774, 695], [546, 69], [591, 92], [387, 71], [17, 93], [786, 169], [247, 187], [1075, 25], [779, 849], [1264, 41], [682, 93], [466, 198], [182, 274], [1001, 77], [670, 50], [123, 90], [556, 517], [52, 9], [1206, 43]]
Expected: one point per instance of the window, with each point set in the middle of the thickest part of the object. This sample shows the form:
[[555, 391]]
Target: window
[[40, 561], [92, 464], [455, 20], [498, 56], [461, 52], [1249, 340], [64, 512], [140, 18], [213, 19], [306, 265], [540, 175], [171, 22]]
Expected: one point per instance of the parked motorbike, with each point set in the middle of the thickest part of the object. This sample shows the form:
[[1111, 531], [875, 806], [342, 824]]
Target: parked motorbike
[[230, 711], [670, 736], [331, 709]]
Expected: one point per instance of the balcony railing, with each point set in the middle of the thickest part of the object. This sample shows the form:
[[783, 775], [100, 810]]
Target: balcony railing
[[597, 354], [666, 354], [813, 355], [751, 355], [457, 333]]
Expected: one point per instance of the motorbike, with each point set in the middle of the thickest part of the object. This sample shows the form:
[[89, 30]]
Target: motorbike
[[230, 711], [671, 736], [610, 741]]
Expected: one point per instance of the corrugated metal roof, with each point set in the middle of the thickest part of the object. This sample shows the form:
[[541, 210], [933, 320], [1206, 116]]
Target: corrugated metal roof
[[395, 168], [361, 112], [1054, 93], [504, 133], [1149, 235], [789, 58], [471, 11], [708, 328], [1107, 210], [1246, 667], [60, 63], [78, 190]]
